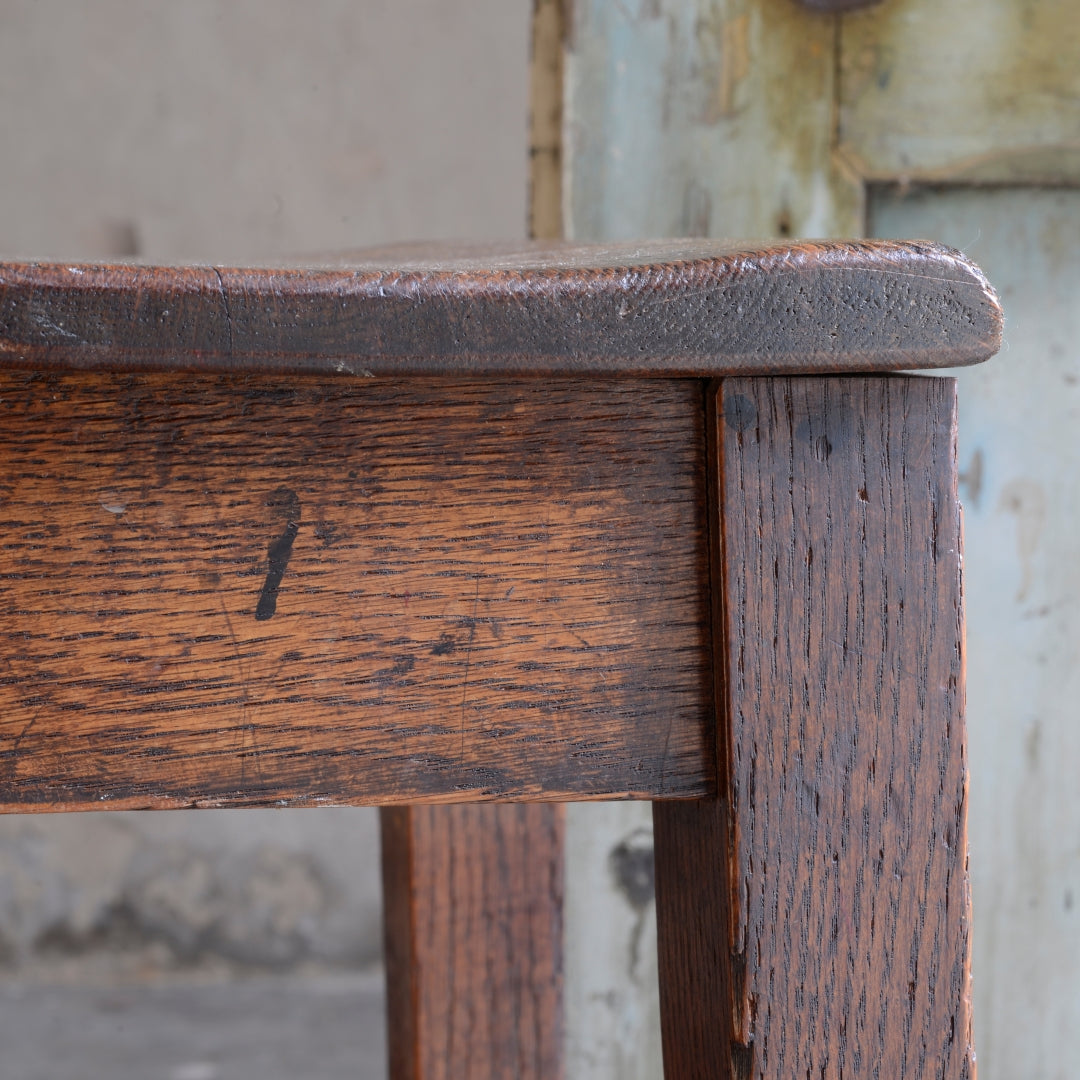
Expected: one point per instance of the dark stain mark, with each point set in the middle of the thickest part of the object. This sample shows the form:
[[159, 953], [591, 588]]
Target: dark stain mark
[[742, 1061], [632, 866], [291, 655], [444, 646], [403, 665], [285, 501], [471, 625], [326, 532], [389, 676], [827, 433], [740, 413], [972, 478], [210, 580]]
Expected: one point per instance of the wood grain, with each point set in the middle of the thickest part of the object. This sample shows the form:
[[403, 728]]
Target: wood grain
[[220, 591], [683, 308], [814, 919], [473, 916]]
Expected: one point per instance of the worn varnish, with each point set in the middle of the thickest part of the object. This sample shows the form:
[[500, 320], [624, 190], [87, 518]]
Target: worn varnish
[[217, 590], [473, 902], [814, 918], [684, 308]]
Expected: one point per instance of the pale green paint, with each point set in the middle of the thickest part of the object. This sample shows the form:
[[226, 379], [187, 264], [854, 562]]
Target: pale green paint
[[984, 90], [694, 119], [1020, 459]]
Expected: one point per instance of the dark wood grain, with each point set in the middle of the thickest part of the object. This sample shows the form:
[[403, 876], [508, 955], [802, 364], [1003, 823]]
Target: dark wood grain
[[219, 590], [685, 308], [814, 919], [473, 916], [693, 914], [838, 7]]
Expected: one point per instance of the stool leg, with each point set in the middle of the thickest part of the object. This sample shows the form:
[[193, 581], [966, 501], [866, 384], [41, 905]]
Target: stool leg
[[473, 921], [814, 918]]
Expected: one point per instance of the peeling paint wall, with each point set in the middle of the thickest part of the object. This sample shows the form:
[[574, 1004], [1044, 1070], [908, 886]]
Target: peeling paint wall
[[709, 118], [612, 992], [1020, 455]]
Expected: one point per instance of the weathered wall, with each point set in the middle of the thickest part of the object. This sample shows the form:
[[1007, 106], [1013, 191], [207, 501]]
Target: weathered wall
[[1019, 457], [228, 130]]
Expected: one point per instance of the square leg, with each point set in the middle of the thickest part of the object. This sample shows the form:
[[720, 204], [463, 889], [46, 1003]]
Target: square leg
[[473, 919], [814, 918]]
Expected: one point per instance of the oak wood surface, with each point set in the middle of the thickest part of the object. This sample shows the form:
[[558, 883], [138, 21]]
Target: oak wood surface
[[223, 591], [473, 918], [814, 918], [675, 308]]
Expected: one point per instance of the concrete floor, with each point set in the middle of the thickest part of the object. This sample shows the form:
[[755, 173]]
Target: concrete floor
[[314, 1027]]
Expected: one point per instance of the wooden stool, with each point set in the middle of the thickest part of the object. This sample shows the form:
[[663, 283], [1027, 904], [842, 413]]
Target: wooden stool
[[527, 527]]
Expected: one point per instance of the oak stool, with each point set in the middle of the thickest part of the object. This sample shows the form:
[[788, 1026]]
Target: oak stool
[[492, 526]]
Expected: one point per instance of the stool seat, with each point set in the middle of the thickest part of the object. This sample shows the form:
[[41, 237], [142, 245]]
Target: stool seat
[[677, 308]]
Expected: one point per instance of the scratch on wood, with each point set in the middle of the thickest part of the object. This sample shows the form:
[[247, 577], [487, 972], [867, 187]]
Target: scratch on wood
[[225, 305], [468, 658], [25, 731], [246, 725]]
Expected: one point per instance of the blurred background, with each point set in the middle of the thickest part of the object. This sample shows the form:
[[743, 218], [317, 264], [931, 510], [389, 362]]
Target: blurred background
[[218, 945]]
